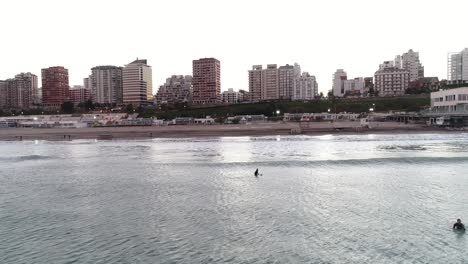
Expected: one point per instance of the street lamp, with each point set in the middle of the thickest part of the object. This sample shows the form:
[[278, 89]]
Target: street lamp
[[277, 112], [328, 110]]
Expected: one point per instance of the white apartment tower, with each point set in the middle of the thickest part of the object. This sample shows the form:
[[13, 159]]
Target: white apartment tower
[[230, 96], [354, 86], [270, 83], [410, 61], [338, 83], [457, 66], [106, 84], [305, 87], [137, 83]]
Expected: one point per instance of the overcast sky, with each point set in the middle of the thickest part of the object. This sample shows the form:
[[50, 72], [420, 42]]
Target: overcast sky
[[319, 35]]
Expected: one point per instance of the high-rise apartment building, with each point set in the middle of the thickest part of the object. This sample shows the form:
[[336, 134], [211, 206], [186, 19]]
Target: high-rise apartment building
[[270, 87], [176, 90], [275, 83], [106, 84], [305, 87], [18, 92], [410, 61], [286, 76], [55, 87], [255, 83], [206, 81], [137, 83], [391, 81], [457, 66], [338, 83], [3, 94]]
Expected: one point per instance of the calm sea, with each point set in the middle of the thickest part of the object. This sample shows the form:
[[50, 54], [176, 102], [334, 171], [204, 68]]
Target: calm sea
[[319, 199]]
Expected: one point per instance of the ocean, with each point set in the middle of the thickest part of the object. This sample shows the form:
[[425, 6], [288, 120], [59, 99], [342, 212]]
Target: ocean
[[383, 198]]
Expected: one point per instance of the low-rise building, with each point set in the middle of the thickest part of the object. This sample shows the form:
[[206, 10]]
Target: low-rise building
[[354, 87], [230, 96], [449, 101], [78, 94]]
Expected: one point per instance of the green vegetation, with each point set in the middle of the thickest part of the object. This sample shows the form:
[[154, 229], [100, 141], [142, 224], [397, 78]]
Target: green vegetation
[[355, 105], [358, 105]]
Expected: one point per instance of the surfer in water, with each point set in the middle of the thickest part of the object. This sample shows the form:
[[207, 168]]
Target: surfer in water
[[256, 173], [459, 225]]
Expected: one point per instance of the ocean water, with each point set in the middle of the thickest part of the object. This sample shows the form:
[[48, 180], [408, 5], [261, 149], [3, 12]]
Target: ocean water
[[319, 199]]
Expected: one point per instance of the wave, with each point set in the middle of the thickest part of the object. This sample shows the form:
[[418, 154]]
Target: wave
[[25, 158], [324, 163]]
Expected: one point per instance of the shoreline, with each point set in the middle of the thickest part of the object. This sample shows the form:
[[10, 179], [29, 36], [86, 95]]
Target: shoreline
[[263, 129]]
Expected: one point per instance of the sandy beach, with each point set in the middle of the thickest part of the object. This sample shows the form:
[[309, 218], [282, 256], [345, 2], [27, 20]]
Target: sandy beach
[[261, 129]]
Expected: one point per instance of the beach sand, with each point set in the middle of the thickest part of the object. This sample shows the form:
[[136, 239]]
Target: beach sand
[[184, 131]]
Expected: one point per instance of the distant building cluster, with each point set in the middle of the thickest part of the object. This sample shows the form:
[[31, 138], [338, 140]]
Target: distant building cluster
[[19, 92], [132, 84], [393, 78], [284, 83]]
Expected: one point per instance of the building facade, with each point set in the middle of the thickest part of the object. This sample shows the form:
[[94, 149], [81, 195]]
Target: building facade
[[176, 90], [270, 86], [3, 94], [305, 87], [255, 83], [391, 81], [106, 84], [338, 83], [230, 96], [55, 87], [206, 81], [410, 61], [244, 96], [18, 92], [79, 94], [457, 66], [286, 76], [451, 100], [354, 87], [137, 83]]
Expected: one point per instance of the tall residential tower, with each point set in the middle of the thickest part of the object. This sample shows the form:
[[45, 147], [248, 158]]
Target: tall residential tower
[[106, 84], [55, 87], [206, 81], [137, 82]]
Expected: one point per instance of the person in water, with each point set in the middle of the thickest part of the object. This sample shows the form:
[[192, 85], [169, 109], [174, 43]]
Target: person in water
[[459, 225], [256, 173]]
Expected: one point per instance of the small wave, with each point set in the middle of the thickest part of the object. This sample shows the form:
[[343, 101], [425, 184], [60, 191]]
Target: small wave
[[25, 158], [334, 163], [404, 148]]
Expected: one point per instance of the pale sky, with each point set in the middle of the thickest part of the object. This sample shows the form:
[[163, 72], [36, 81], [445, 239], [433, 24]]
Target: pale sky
[[321, 36]]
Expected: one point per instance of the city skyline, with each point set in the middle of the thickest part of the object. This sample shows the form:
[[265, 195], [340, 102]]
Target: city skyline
[[359, 47]]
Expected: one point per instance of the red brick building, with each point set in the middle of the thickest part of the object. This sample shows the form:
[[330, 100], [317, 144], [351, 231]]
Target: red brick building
[[206, 81], [55, 87], [78, 94]]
